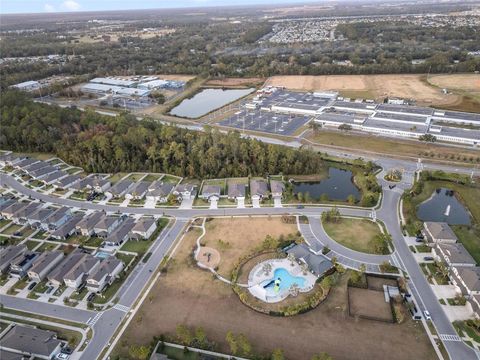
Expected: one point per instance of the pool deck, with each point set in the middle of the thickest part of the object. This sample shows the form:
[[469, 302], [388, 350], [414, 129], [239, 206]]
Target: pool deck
[[257, 276]]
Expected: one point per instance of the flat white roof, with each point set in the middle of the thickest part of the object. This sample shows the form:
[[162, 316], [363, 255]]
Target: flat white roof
[[115, 89], [112, 81]]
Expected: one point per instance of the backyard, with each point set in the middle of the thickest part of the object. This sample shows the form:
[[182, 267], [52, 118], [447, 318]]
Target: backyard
[[186, 295]]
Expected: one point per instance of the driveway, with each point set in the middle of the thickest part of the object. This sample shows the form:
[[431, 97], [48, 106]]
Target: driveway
[[186, 204], [213, 203], [455, 313], [255, 202], [444, 291], [241, 203], [277, 202]]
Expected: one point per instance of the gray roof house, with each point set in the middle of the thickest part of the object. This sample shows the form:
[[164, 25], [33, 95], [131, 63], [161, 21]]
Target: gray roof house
[[158, 191], [9, 211], [58, 218], [56, 275], [236, 191], [277, 187], [9, 254], [43, 172], [439, 232], [21, 216], [34, 167], [79, 272], [100, 184], [37, 219], [44, 264], [24, 163], [453, 254], [209, 191], [20, 265], [10, 159], [53, 177], [87, 224], [67, 181], [30, 341], [144, 228], [120, 188], [185, 191], [82, 184], [104, 274], [68, 228], [121, 233], [138, 190], [5, 203], [318, 264], [258, 189], [106, 225], [467, 279], [8, 355]]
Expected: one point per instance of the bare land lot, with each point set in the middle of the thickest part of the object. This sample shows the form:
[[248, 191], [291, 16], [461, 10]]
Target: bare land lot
[[189, 296], [369, 303], [409, 86], [235, 82]]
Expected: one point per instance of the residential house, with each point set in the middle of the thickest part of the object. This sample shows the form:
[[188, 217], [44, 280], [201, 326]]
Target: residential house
[[276, 188], [105, 274], [144, 228], [185, 191], [21, 264], [121, 234], [106, 225], [137, 191], [77, 275], [120, 188], [10, 159], [439, 232], [43, 172], [68, 228], [87, 224], [453, 255], [158, 191], [100, 185], [34, 167], [83, 184], [9, 211], [66, 182], [58, 273], [43, 264], [5, 203], [21, 216], [57, 219], [9, 254], [211, 191], [24, 163], [53, 177], [236, 191], [38, 218], [466, 279], [258, 189], [30, 341], [318, 264]]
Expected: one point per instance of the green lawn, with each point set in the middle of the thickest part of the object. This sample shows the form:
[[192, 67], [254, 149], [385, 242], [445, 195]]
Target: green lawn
[[140, 246], [46, 246], [94, 241], [136, 177], [464, 327], [32, 244], [437, 275], [423, 248], [116, 177], [4, 222], [12, 229], [79, 295], [4, 241], [77, 239], [170, 179], [41, 287], [469, 236], [152, 177], [356, 234]]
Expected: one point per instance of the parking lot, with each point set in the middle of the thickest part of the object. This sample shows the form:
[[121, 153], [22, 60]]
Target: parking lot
[[273, 123]]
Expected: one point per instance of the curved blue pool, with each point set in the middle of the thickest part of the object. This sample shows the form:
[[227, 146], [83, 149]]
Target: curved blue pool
[[286, 281]]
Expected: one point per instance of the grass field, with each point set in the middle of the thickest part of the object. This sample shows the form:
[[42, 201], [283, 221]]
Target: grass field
[[408, 86], [412, 148], [356, 234], [186, 295]]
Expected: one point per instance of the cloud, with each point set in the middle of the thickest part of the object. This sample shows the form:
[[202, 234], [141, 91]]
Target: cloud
[[71, 5], [49, 8]]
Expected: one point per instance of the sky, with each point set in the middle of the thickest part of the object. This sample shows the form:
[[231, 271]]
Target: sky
[[45, 6]]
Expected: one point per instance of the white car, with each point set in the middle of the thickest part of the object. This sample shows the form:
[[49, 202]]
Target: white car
[[427, 315], [62, 356]]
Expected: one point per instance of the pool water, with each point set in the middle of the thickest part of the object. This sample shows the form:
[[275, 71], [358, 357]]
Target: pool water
[[102, 255], [287, 280]]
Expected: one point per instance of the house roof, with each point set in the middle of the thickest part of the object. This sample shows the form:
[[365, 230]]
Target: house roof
[[68, 180], [86, 263], [159, 189], [122, 231], [30, 340], [43, 171], [26, 211], [55, 175], [67, 228], [120, 187], [107, 266], [258, 187], [105, 222], [8, 254], [440, 230], [44, 260], [26, 162], [8, 355], [277, 186], [185, 187], [470, 276], [58, 214], [88, 222], [139, 188], [66, 265], [6, 204], [318, 264], [209, 190], [236, 190], [143, 224], [456, 253], [35, 166], [41, 214], [14, 207]]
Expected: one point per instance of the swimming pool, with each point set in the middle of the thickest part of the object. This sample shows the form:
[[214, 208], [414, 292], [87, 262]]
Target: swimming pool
[[102, 255], [286, 281]]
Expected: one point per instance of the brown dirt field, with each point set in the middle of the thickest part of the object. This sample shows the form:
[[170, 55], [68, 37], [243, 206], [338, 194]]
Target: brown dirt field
[[372, 86], [202, 257], [187, 295], [466, 82], [376, 283], [370, 303], [235, 82], [239, 235]]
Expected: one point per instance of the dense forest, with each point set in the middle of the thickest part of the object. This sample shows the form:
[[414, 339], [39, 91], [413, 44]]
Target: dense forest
[[109, 144]]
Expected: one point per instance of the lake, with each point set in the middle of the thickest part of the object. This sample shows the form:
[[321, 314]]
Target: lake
[[435, 208], [338, 186], [208, 100]]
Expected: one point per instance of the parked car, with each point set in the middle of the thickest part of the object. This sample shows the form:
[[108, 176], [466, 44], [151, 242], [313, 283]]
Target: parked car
[[391, 186], [300, 207], [62, 356], [428, 258], [417, 317], [17, 233], [67, 350], [32, 285], [419, 240], [427, 315], [90, 297], [49, 289]]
